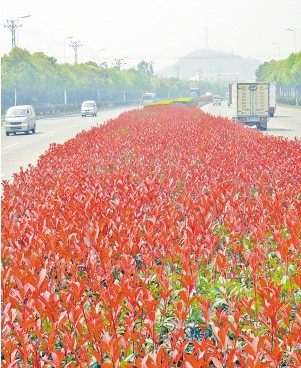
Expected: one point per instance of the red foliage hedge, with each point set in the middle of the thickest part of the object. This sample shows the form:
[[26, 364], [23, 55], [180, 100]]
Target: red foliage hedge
[[165, 238]]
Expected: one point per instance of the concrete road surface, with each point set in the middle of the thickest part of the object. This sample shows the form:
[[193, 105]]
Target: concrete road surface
[[286, 122]]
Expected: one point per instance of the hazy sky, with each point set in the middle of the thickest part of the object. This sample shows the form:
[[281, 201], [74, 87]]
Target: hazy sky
[[160, 31]]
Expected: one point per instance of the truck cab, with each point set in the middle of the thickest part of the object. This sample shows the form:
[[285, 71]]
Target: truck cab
[[149, 97]]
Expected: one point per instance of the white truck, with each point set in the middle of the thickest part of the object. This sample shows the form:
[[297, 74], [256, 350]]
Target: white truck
[[250, 104], [148, 98], [272, 104]]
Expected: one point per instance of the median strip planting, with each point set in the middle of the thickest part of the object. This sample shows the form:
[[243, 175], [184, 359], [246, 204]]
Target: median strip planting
[[165, 238]]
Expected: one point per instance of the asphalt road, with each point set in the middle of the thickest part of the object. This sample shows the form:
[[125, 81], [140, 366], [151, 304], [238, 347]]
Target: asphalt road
[[285, 123], [20, 150]]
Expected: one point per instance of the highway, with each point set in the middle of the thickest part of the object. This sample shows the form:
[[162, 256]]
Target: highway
[[20, 150], [286, 122]]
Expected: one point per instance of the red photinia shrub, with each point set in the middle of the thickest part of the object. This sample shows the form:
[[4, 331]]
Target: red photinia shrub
[[165, 238]]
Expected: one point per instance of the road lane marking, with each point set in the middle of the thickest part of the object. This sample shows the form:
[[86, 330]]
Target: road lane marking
[[42, 135], [11, 145]]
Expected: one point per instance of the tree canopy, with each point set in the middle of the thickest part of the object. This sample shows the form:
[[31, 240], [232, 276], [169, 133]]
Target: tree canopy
[[39, 80], [285, 73]]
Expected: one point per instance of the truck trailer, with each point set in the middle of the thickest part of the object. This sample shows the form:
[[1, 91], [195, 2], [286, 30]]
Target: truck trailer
[[250, 104]]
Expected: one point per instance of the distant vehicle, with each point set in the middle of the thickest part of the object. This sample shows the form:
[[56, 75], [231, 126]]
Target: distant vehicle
[[272, 103], [149, 97], [250, 104], [206, 98], [89, 108], [20, 119], [194, 92], [216, 100]]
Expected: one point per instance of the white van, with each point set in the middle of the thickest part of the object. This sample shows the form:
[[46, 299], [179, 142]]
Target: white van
[[20, 119], [217, 100], [89, 108]]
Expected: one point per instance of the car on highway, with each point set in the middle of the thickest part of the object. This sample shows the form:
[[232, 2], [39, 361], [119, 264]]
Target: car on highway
[[20, 119], [217, 100], [89, 108]]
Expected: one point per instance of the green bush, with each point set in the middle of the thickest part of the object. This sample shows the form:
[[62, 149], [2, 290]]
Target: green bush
[[53, 109], [289, 100]]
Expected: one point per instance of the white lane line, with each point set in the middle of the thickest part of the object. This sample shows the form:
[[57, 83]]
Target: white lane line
[[11, 145], [42, 135]]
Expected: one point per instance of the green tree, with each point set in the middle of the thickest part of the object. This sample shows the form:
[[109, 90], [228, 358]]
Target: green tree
[[286, 73], [145, 68], [50, 78], [262, 72], [19, 76], [296, 69], [40, 80]]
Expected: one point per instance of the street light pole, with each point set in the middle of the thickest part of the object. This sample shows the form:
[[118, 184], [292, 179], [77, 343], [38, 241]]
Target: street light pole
[[66, 38], [99, 56], [13, 25], [276, 43], [294, 31]]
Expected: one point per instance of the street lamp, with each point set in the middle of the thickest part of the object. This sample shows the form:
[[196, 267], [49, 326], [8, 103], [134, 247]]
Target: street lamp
[[276, 43], [66, 38], [25, 16], [293, 30], [13, 25], [98, 54]]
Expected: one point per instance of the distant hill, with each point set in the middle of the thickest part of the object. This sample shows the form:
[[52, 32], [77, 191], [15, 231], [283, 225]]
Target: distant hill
[[212, 65]]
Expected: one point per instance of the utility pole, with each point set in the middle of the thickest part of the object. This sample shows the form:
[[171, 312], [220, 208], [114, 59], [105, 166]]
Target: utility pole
[[75, 45], [66, 38], [13, 25], [119, 62]]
